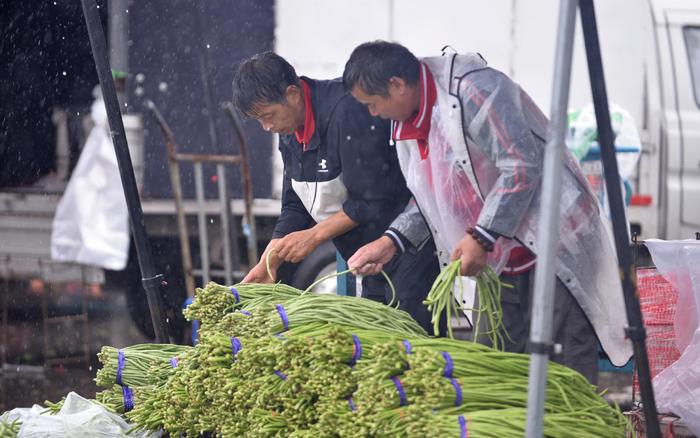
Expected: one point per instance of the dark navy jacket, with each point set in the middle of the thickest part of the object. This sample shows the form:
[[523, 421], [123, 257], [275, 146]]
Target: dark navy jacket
[[347, 164]]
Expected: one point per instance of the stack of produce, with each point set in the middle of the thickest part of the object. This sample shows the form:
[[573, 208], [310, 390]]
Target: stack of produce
[[275, 362]]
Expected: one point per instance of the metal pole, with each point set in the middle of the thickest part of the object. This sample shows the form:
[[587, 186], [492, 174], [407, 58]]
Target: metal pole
[[225, 216], [635, 331], [249, 219], [548, 224], [202, 222], [177, 196], [152, 281]]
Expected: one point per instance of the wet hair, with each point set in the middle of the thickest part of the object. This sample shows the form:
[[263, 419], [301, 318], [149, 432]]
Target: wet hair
[[262, 80], [372, 64]]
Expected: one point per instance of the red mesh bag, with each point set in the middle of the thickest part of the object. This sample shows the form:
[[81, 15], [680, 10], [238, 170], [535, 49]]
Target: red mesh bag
[[658, 300]]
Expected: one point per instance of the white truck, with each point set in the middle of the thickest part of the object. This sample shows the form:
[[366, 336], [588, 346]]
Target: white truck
[[651, 58]]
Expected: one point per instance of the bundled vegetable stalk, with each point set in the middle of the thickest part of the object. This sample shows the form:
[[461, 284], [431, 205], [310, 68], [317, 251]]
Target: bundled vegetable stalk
[[441, 302], [497, 423], [342, 310], [283, 363], [130, 366], [215, 300]]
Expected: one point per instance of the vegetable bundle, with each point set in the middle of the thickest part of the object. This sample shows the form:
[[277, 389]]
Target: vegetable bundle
[[273, 362]]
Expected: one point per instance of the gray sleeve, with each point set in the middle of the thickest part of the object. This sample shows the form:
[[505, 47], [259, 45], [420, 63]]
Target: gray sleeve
[[411, 225], [497, 114]]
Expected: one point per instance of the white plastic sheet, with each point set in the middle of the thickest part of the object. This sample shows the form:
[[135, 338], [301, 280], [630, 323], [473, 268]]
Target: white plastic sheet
[[91, 222], [677, 388], [78, 417]]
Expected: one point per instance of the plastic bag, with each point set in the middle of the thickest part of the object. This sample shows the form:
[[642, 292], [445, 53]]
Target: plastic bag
[[679, 262], [582, 135], [78, 417], [91, 222], [677, 388]]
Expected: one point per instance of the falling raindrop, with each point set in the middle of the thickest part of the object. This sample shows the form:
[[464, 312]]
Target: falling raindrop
[[64, 73], [208, 46]]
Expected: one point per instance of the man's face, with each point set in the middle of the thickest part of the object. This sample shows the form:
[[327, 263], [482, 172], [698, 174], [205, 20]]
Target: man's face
[[396, 105], [283, 117]]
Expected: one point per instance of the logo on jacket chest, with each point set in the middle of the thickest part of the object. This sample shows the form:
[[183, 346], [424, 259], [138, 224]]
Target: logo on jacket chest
[[322, 166]]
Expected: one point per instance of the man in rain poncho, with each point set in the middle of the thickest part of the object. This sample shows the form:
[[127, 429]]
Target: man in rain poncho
[[342, 179], [471, 143]]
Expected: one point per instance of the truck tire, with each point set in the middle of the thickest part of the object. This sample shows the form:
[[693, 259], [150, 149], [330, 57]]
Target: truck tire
[[318, 262]]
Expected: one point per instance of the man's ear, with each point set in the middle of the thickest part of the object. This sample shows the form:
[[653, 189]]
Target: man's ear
[[293, 94], [397, 86]]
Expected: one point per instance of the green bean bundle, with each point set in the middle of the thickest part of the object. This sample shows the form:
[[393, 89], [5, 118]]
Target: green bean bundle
[[130, 366], [442, 304], [343, 310], [215, 300], [498, 423]]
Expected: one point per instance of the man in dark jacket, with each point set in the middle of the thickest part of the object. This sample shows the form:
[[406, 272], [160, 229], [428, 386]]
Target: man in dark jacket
[[342, 179]]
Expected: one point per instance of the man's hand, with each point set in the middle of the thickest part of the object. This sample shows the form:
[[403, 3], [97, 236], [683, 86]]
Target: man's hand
[[296, 246], [371, 258], [259, 274], [471, 255]]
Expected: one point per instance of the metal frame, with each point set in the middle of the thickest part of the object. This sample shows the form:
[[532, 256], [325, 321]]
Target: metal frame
[[541, 336], [153, 282], [231, 252]]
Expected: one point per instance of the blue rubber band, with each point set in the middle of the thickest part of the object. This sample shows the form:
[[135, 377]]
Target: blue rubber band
[[463, 432], [407, 346], [246, 313], [281, 375], [351, 404], [402, 393], [121, 362], [235, 347], [174, 361], [283, 316], [449, 365], [235, 294], [458, 392], [128, 398], [356, 351]]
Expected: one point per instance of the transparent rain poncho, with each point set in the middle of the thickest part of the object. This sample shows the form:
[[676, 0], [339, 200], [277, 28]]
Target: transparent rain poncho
[[487, 143]]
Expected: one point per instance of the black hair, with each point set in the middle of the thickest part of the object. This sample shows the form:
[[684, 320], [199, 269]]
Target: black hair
[[372, 64], [262, 79]]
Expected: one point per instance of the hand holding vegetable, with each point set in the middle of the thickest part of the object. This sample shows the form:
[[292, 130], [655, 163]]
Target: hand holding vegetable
[[371, 258], [296, 246], [259, 274], [471, 255]]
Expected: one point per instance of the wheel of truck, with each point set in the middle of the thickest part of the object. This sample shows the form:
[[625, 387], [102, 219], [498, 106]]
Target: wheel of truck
[[318, 264]]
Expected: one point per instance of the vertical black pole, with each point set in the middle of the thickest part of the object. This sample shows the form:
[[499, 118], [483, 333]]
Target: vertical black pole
[[635, 331], [152, 282]]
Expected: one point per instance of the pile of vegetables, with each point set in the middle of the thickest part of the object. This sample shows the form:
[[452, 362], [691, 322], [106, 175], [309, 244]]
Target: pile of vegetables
[[273, 361]]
